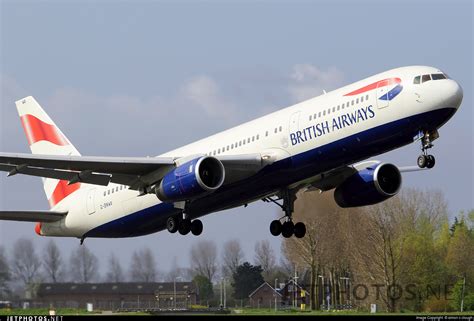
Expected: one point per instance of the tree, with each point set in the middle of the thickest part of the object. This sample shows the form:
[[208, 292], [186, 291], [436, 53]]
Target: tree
[[143, 267], [52, 262], [204, 286], [246, 279], [26, 264], [115, 273], [203, 258], [459, 257], [84, 265], [177, 272], [232, 257], [4, 274], [265, 257]]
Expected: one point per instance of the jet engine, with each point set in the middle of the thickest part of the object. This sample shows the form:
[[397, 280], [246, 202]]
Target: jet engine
[[191, 180], [369, 186]]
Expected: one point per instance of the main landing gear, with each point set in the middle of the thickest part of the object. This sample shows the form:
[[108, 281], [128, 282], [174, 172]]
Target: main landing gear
[[183, 225], [285, 225], [425, 160]]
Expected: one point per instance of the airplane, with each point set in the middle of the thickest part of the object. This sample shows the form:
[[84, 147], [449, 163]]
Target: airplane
[[320, 144]]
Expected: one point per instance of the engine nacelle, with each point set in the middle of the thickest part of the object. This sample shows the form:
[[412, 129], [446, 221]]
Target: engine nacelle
[[190, 180], [369, 186]]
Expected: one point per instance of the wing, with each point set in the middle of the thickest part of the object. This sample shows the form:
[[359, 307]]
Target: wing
[[135, 172], [333, 178], [32, 216]]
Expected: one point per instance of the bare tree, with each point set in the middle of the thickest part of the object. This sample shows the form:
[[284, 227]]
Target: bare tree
[[52, 262], [176, 272], [203, 258], [4, 274], [265, 257], [143, 267], [26, 264], [232, 257], [115, 273], [84, 265]]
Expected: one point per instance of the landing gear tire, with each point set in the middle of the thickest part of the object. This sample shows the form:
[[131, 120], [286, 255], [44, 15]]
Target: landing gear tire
[[172, 224], [184, 227], [422, 161], [275, 227], [196, 227], [300, 230], [287, 229], [430, 161]]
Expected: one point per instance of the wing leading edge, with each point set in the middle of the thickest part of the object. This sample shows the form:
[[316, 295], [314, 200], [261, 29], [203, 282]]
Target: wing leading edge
[[135, 172]]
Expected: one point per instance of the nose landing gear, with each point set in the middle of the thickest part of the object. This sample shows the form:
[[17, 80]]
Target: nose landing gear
[[287, 229], [425, 160]]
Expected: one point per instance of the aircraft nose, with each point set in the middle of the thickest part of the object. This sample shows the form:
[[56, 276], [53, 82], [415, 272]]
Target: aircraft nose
[[454, 94]]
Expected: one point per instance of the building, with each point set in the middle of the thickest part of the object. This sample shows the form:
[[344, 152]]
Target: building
[[264, 297], [114, 296]]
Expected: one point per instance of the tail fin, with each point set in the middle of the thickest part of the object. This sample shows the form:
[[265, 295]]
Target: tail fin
[[46, 138]]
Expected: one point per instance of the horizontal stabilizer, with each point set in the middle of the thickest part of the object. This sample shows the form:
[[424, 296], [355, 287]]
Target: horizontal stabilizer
[[32, 216]]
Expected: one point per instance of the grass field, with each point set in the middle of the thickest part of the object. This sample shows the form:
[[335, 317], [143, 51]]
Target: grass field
[[233, 311]]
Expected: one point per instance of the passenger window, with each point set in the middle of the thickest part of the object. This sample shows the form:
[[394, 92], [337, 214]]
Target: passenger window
[[425, 78], [232, 146], [227, 147], [416, 80], [253, 138], [310, 117], [276, 130], [258, 136], [281, 128], [362, 99], [266, 133], [315, 115], [338, 107], [319, 115], [214, 153], [333, 109], [357, 100], [240, 144], [352, 103], [116, 189], [438, 76], [366, 97], [105, 193], [342, 106]]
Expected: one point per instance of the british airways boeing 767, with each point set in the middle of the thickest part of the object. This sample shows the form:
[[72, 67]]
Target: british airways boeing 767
[[319, 144]]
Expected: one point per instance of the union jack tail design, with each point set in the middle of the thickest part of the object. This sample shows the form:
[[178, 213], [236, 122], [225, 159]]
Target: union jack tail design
[[45, 138]]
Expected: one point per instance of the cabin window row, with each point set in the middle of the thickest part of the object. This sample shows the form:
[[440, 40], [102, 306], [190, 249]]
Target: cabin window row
[[114, 190], [339, 107], [235, 145]]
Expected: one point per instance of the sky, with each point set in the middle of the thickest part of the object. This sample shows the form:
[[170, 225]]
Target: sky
[[139, 78]]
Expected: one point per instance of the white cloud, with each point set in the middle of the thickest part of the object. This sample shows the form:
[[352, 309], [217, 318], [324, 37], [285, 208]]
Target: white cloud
[[204, 92], [308, 81]]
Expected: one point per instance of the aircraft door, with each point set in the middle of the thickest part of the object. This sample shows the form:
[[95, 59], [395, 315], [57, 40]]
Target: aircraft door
[[91, 202], [294, 122], [382, 95], [293, 126]]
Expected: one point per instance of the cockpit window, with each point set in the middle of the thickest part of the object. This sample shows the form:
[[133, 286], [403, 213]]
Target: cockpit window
[[425, 78], [416, 80], [438, 76]]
